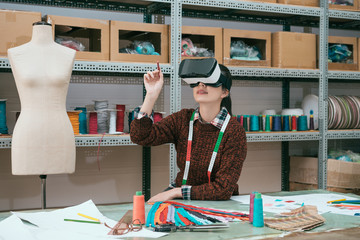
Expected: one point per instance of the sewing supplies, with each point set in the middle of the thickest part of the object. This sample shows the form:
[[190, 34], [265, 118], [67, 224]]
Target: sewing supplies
[[170, 212], [113, 121], [251, 209], [139, 207], [254, 123], [336, 200], [258, 218], [286, 123], [120, 114], [93, 123], [171, 227], [302, 123], [345, 201], [74, 120], [101, 107], [3, 126], [293, 123], [276, 123], [267, 123], [125, 225], [213, 156], [82, 120]]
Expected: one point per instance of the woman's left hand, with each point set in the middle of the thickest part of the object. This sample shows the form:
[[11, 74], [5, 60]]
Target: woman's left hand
[[167, 195]]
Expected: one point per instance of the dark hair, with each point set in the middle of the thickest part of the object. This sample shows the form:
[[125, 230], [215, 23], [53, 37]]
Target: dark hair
[[226, 102]]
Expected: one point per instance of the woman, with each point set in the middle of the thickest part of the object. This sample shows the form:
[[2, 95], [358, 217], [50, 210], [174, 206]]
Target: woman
[[208, 171]]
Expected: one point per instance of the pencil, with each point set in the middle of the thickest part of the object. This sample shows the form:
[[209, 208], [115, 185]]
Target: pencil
[[91, 218], [80, 221], [336, 200], [347, 201]]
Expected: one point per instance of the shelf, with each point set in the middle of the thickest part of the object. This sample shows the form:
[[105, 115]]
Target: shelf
[[344, 134], [105, 67], [274, 72], [89, 140], [344, 14], [252, 6], [282, 136]]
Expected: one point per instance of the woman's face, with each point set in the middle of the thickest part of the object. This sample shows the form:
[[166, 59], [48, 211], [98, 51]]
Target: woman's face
[[206, 94]]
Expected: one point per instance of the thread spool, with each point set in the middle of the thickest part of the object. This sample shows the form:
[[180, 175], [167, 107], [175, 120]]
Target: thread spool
[[139, 207], [242, 120], [267, 123], [276, 123], [245, 123], [93, 123], [238, 118], [130, 118], [120, 116], [82, 120], [254, 123], [293, 123], [261, 123], [3, 126], [258, 219], [311, 127], [74, 119], [302, 123], [251, 209], [102, 116], [112, 122], [157, 116], [286, 123]]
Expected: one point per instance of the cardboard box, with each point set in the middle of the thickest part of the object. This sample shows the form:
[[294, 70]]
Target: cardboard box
[[16, 28], [123, 35], [260, 39], [205, 37], [92, 33], [352, 44], [294, 50], [340, 174], [310, 3], [345, 7]]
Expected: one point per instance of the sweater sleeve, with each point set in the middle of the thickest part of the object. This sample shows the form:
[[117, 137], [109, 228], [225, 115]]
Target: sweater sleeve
[[144, 132], [225, 180]]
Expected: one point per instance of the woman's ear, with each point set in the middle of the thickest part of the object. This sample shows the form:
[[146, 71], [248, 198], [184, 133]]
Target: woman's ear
[[225, 93]]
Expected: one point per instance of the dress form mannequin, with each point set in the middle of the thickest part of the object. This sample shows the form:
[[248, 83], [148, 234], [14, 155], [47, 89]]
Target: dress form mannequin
[[43, 140]]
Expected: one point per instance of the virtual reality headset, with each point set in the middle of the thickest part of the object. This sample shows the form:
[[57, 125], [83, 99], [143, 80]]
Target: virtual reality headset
[[205, 70]]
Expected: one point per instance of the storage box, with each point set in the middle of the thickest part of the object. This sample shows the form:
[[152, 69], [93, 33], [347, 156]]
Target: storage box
[[294, 50], [310, 3], [261, 40], [16, 28], [345, 7], [340, 174], [204, 37], [92, 33], [124, 34], [352, 44]]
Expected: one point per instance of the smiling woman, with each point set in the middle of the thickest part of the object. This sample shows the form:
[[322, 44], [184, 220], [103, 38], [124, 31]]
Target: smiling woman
[[210, 144]]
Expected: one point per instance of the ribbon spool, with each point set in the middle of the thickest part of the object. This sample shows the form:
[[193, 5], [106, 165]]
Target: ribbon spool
[[82, 120], [145, 48], [286, 123], [120, 117], [102, 116], [74, 119], [93, 123], [3, 126], [276, 123], [254, 123], [302, 123]]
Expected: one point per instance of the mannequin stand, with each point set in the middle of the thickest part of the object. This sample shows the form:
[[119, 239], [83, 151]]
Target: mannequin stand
[[43, 191]]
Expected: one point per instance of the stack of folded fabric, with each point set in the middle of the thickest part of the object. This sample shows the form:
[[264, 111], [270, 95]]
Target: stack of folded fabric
[[303, 218]]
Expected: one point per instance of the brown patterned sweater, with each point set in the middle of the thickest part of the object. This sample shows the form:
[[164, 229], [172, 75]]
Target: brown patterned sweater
[[228, 163]]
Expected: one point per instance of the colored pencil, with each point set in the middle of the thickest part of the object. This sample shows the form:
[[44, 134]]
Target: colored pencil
[[88, 217], [81, 221], [336, 200], [347, 201]]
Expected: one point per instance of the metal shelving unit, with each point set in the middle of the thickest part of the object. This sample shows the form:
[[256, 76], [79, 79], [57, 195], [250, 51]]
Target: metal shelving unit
[[232, 10]]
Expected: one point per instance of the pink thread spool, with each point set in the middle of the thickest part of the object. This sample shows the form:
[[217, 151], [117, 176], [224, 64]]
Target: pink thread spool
[[157, 116], [120, 117], [93, 123]]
